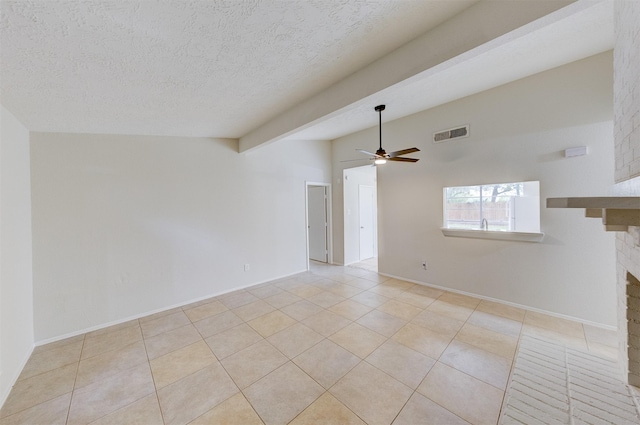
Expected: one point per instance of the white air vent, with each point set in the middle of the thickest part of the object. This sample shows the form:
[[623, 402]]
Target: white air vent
[[452, 133]]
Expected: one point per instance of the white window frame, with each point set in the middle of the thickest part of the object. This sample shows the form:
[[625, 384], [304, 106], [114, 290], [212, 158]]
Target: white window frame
[[484, 229]]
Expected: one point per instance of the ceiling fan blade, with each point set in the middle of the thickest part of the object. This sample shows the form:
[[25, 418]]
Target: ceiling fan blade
[[381, 156], [403, 152], [360, 159], [397, 158], [367, 152]]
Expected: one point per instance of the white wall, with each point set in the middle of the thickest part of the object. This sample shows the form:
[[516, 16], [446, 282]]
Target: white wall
[[16, 291], [125, 225], [518, 133]]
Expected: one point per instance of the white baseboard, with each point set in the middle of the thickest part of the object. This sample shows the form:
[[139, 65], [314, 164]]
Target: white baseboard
[[509, 303], [159, 310]]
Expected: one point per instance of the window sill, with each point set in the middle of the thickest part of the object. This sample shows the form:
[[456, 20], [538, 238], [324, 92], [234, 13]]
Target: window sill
[[492, 234]]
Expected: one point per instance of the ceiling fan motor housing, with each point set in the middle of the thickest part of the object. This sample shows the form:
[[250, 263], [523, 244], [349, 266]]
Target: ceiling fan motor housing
[[381, 152]]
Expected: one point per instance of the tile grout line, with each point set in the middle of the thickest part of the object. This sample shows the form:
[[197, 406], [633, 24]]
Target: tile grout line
[[137, 400], [153, 379], [73, 389], [240, 390]]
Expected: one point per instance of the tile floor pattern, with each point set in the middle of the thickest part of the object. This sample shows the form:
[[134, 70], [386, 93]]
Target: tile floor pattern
[[335, 345]]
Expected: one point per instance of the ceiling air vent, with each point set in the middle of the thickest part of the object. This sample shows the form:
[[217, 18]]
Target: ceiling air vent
[[452, 133]]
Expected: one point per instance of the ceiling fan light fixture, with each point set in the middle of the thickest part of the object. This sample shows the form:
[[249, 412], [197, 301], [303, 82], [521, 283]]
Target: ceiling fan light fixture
[[380, 161]]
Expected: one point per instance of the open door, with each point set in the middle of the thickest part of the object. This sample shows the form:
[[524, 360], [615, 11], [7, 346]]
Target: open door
[[318, 223]]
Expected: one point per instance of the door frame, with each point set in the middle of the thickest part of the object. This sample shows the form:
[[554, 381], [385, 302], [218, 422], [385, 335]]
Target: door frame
[[329, 220]]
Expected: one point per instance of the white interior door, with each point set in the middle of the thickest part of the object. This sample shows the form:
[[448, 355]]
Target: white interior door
[[317, 223], [367, 221]]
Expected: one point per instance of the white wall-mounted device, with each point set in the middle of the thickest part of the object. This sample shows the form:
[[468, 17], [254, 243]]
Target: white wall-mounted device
[[579, 151]]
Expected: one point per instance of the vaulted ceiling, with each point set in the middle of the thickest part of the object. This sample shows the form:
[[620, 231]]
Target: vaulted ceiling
[[264, 70]]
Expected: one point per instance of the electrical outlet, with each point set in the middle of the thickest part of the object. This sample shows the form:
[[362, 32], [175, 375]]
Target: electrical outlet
[[247, 267], [424, 264]]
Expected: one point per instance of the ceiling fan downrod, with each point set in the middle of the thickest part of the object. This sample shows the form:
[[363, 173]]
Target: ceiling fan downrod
[[381, 156], [379, 109]]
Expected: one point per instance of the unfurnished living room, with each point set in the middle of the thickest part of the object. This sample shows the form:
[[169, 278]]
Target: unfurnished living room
[[319, 212]]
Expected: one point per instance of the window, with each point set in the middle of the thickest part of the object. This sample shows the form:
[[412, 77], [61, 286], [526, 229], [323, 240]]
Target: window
[[499, 207]]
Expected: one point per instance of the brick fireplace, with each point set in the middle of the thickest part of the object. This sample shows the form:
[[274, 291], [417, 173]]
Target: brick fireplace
[[628, 269], [633, 329], [626, 77]]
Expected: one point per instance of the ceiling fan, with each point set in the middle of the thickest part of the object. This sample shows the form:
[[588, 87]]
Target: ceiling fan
[[381, 156]]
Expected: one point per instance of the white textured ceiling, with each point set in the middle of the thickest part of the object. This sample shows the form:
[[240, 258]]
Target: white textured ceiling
[[231, 68], [190, 68]]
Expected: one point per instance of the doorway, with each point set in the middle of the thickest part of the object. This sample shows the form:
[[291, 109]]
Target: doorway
[[318, 223], [366, 198], [360, 216]]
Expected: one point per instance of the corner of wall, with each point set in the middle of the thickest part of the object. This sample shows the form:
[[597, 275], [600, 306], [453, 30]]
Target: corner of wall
[[16, 282]]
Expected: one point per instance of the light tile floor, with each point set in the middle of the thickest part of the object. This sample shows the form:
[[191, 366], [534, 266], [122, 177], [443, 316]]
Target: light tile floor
[[370, 264], [335, 345]]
